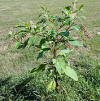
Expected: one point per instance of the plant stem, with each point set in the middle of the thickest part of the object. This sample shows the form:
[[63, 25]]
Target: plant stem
[[56, 78]]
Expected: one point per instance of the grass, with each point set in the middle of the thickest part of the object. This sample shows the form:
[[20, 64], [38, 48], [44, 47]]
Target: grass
[[20, 88], [13, 11], [16, 64]]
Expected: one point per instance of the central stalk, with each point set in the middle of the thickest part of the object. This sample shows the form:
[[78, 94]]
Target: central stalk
[[56, 73]]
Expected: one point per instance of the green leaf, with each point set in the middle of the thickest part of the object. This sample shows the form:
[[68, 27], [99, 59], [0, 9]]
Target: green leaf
[[25, 43], [59, 64], [43, 40], [67, 21], [65, 34], [62, 68], [40, 55], [46, 49], [76, 28], [81, 6], [63, 52], [51, 86], [40, 68], [32, 41], [43, 46], [68, 8], [59, 19], [71, 73], [75, 43], [18, 45]]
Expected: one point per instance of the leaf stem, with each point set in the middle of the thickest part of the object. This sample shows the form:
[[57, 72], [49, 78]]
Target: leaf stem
[[56, 78]]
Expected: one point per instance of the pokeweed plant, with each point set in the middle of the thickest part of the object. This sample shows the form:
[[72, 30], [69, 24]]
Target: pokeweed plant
[[51, 37]]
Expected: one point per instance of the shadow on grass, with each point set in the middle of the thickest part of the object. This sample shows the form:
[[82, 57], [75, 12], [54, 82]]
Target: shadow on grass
[[17, 92], [21, 90], [4, 82]]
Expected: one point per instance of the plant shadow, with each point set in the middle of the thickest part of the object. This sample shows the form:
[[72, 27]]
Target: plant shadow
[[4, 82], [24, 91]]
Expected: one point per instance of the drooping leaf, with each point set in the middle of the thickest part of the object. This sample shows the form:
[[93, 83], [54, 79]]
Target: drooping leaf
[[76, 28], [40, 68], [59, 19], [43, 46], [59, 64], [46, 49], [32, 41], [75, 43], [25, 43], [71, 73], [63, 52], [40, 55], [81, 6], [51, 86], [18, 45], [67, 21], [43, 40], [68, 8], [65, 34]]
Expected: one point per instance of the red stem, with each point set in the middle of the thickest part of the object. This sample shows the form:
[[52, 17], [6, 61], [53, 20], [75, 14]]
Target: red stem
[[56, 78]]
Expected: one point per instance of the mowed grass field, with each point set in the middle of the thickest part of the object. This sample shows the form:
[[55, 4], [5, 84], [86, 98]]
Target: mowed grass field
[[14, 11]]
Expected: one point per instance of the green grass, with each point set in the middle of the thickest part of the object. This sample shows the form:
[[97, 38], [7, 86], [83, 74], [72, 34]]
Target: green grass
[[13, 11]]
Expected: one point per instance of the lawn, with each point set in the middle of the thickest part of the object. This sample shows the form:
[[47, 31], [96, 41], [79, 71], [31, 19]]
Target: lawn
[[11, 12], [20, 62]]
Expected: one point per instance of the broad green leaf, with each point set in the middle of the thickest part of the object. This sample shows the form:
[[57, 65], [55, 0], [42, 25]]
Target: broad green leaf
[[76, 28], [63, 52], [51, 86], [40, 68], [43, 46], [75, 43], [65, 34], [59, 19], [62, 68], [67, 21], [42, 43], [43, 40], [68, 8], [81, 6], [46, 49], [32, 41], [59, 64], [40, 55], [10, 99], [18, 45], [25, 43], [71, 73], [65, 12]]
